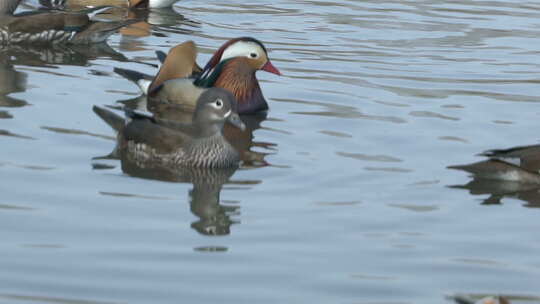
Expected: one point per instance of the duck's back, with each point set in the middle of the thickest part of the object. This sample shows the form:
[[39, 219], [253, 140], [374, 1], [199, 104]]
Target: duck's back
[[145, 142], [179, 91]]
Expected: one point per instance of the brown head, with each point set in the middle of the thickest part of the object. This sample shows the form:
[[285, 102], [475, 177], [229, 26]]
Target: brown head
[[233, 67]]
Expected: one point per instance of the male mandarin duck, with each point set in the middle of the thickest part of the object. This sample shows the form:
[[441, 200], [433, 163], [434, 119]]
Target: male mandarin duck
[[53, 27], [200, 144], [518, 164], [233, 66]]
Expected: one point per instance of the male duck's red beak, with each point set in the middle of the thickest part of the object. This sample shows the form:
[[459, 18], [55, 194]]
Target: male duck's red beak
[[269, 67]]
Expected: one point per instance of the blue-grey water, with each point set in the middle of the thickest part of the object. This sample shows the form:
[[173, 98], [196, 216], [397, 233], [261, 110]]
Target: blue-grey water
[[355, 204]]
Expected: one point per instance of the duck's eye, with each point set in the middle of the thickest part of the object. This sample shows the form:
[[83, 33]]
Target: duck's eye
[[219, 103], [253, 55]]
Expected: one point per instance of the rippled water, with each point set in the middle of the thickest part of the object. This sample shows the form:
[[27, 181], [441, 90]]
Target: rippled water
[[356, 204]]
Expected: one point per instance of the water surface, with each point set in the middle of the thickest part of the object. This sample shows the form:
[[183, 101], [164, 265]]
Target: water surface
[[354, 204]]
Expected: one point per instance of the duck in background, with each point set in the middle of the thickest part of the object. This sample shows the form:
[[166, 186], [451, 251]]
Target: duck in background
[[512, 173], [154, 22], [63, 4], [150, 141], [518, 164], [463, 299], [53, 27], [180, 80], [11, 81]]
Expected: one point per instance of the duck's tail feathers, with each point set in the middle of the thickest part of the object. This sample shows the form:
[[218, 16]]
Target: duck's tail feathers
[[114, 120], [136, 114], [141, 80]]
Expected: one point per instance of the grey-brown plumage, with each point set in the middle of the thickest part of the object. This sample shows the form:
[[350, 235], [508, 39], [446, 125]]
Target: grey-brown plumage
[[463, 299], [53, 27], [8, 7], [146, 139], [518, 164]]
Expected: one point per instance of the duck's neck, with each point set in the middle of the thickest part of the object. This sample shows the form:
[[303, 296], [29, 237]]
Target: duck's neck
[[7, 7], [239, 78], [203, 129]]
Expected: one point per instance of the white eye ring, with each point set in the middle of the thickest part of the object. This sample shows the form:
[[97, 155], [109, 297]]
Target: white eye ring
[[219, 103], [253, 55]]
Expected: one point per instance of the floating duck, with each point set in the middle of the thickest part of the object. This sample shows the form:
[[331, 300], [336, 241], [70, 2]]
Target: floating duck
[[233, 66], [146, 139], [53, 27], [116, 3], [485, 300], [518, 164]]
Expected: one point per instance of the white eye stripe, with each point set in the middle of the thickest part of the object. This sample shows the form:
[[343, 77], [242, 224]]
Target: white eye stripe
[[242, 48], [218, 104]]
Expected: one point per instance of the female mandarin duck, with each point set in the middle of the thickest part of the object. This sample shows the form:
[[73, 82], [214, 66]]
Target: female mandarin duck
[[518, 164], [200, 144], [232, 67], [52, 27], [117, 3]]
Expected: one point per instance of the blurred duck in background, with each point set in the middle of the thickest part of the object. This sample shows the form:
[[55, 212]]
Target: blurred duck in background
[[53, 27], [518, 164], [463, 299], [69, 4]]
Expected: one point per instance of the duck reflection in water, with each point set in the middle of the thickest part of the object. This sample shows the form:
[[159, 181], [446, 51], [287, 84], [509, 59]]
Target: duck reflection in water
[[498, 190], [46, 56], [156, 21], [214, 218], [11, 81], [49, 55], [512, 173], [204, 198]]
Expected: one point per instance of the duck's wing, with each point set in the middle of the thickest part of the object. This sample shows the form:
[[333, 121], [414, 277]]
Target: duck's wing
[[140, 79], [524, 157], [161, 56], [157, 132], [180, 91], [153, 133], [180, 62]]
